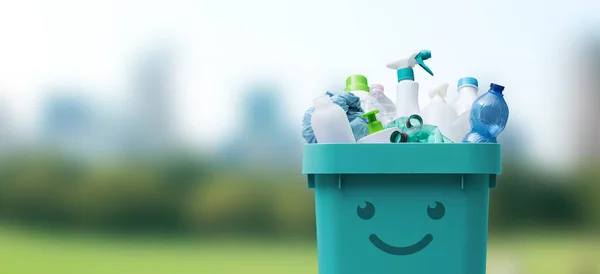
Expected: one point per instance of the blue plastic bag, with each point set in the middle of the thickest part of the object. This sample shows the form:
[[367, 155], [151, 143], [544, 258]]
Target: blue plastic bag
[[349, 103]]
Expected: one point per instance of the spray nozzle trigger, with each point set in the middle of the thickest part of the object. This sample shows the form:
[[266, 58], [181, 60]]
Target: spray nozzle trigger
[[422, 56]]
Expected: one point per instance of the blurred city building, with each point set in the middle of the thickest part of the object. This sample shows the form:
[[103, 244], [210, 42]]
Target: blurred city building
[[5, 133], [71, 123], [512, 141], [151, 125], [263, 136], [587, 100], [68, 121]]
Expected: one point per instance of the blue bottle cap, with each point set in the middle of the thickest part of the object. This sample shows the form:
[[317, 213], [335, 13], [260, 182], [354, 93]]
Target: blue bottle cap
[[468, 81], [496, 88], [405, 74]]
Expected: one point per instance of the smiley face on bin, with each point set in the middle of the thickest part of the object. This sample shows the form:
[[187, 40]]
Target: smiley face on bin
[[435, 212]]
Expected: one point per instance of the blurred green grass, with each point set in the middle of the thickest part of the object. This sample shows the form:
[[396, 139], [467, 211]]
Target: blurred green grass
[[37, 252], [33, 252]]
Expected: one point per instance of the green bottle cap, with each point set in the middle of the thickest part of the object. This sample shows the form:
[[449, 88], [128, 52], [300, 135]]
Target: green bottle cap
[[357, 82], [374, 125], [398, 137], [414, 121]]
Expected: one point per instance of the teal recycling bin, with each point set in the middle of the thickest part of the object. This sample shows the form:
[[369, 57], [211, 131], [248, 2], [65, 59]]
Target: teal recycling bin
[[402, 208]]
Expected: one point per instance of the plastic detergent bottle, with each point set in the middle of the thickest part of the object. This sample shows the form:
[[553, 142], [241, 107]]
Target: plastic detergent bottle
[[438, 113], [330, 123], [387, 109], [489, 116], [407, 90], [467, 94], [460, 127], [376, 132], [358, 85]]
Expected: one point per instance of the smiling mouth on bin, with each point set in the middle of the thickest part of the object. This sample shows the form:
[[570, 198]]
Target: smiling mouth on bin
[[407, 250]]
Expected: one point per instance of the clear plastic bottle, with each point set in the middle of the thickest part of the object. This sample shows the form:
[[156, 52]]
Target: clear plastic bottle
[[387, 108], [489, 116], [330, 123]]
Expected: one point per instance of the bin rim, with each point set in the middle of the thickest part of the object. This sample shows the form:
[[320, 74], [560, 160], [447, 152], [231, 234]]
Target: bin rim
[[411, 158]]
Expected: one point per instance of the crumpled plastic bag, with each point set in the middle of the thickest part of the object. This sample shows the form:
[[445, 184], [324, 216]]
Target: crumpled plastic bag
[[349, 103]]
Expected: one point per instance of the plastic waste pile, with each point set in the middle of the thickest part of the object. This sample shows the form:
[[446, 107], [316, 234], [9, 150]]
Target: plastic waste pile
[[363, 114]]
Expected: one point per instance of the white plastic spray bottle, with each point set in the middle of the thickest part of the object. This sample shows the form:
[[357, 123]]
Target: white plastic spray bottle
[[407, 90], [438, 113]]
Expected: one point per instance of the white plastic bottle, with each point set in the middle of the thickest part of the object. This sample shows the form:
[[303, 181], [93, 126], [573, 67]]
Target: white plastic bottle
[[330, 123], [387, 108], [467, 93], [407, 90], [460, 127], [438, 113], [468, 87]]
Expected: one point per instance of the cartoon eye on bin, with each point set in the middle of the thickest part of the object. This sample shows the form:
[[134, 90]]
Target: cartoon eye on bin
[[436, 212], [367, 212]]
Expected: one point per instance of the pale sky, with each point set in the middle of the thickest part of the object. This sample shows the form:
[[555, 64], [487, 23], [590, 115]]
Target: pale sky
[[221, 44]]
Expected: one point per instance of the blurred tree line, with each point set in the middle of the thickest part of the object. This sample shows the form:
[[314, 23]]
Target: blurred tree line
[[184, 194]]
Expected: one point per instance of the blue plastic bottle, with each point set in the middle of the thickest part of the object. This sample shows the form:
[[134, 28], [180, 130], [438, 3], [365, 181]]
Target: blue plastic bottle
[[489, 115]]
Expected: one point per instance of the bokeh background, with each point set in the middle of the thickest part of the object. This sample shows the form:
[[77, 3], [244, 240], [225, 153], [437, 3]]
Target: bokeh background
[[164, 136]]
